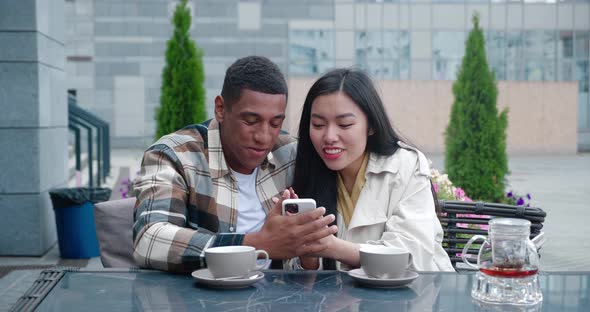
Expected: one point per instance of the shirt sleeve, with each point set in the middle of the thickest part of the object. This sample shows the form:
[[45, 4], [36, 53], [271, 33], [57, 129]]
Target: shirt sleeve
[[164, 239]]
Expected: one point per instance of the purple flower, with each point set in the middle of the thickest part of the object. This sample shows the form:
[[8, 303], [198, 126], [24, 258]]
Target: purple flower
[[520, 201], [436, 188], [509, 194], [528, 196]]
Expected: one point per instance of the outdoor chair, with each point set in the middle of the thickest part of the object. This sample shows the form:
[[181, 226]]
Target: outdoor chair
[[114, 230], [461, 220]]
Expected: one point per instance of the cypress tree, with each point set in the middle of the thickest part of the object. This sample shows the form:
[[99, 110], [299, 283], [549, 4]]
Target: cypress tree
[[182, 99], [475, 139]]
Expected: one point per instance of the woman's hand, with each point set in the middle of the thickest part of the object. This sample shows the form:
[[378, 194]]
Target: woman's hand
[[335, 248]]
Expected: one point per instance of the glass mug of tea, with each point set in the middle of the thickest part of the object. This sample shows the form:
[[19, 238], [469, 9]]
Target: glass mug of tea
[[508, 263]]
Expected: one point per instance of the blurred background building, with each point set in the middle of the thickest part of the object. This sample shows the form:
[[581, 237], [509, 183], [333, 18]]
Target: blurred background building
[[115, 49]]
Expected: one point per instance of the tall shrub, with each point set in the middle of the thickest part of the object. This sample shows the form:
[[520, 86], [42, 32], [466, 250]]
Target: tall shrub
[[182, 99], [476, 135]]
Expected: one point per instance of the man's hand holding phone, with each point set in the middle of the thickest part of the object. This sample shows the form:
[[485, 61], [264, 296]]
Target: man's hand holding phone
[[285, 237]]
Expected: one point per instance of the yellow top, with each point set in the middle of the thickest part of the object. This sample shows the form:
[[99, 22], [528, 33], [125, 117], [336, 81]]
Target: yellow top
[[347, 201]]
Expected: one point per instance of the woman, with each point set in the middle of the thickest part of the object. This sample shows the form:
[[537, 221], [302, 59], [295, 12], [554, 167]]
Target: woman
[[351, 161]]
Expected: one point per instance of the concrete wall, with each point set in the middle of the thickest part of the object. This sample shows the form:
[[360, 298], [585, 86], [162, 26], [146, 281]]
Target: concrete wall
[[542, 117], [33, 123]]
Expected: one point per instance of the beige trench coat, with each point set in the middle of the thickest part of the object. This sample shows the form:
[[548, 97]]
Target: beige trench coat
[[395, 208]]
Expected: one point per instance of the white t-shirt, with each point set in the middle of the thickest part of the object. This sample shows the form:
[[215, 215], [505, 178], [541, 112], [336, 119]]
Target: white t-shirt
[[251, 215]]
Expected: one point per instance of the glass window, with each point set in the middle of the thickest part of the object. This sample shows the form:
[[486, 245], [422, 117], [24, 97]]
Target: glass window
[[495, 44], [514, 57], [383, 55], [495, 52], [565, 47], [581, 75], [446, 69], [550, 70], [448, 44], [404, 68], [498, 66], [396, 44], [404, 45], [539, 55], [582, 44], [534, 70], [361, 49], [539, 44], [513, 70], [389, 70], [514, 44], [566, 71], [448, 47], [311, 52], [368, 45]]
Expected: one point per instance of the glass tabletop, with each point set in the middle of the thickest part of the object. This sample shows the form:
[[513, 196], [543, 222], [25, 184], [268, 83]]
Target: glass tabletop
[[116, 290]]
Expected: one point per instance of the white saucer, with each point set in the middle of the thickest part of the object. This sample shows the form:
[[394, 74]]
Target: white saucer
[[360, 276], [203, 276]]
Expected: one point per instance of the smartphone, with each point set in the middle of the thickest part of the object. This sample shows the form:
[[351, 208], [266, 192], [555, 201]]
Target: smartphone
[[298, 205]]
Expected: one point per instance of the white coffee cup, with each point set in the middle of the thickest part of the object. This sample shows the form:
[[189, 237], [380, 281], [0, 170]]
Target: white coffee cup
[[384, 262], [233, 261]]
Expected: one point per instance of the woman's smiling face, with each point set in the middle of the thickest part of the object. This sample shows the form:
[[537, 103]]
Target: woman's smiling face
[[338, 131]]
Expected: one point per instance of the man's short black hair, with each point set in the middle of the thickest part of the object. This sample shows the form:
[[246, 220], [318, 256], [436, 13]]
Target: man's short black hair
[[256, 73]]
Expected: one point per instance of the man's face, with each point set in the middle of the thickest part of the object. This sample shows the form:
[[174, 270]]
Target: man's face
[[249, 127]]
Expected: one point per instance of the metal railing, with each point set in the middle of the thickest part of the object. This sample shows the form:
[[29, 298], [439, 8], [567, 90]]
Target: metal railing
[[80, 119]]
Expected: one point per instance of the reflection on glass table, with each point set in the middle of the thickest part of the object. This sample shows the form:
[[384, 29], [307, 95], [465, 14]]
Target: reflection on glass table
[[117, 290]]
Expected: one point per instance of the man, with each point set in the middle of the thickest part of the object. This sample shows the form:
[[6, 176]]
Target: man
[[202, 188]]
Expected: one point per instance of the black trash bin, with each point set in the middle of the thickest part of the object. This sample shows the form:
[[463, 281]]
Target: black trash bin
[[74, 217]]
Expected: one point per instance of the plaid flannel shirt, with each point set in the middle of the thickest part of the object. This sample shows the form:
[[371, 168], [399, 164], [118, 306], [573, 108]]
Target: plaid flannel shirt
[[187, 198]]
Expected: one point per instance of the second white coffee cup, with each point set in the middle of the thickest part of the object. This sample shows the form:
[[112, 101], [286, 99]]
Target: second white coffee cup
[[383, 261], [233, 261]]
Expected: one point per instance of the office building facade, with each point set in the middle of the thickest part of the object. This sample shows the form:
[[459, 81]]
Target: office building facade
[[115, 48]]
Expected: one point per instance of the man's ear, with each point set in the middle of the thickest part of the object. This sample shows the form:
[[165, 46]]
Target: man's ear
[[219, 109]]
